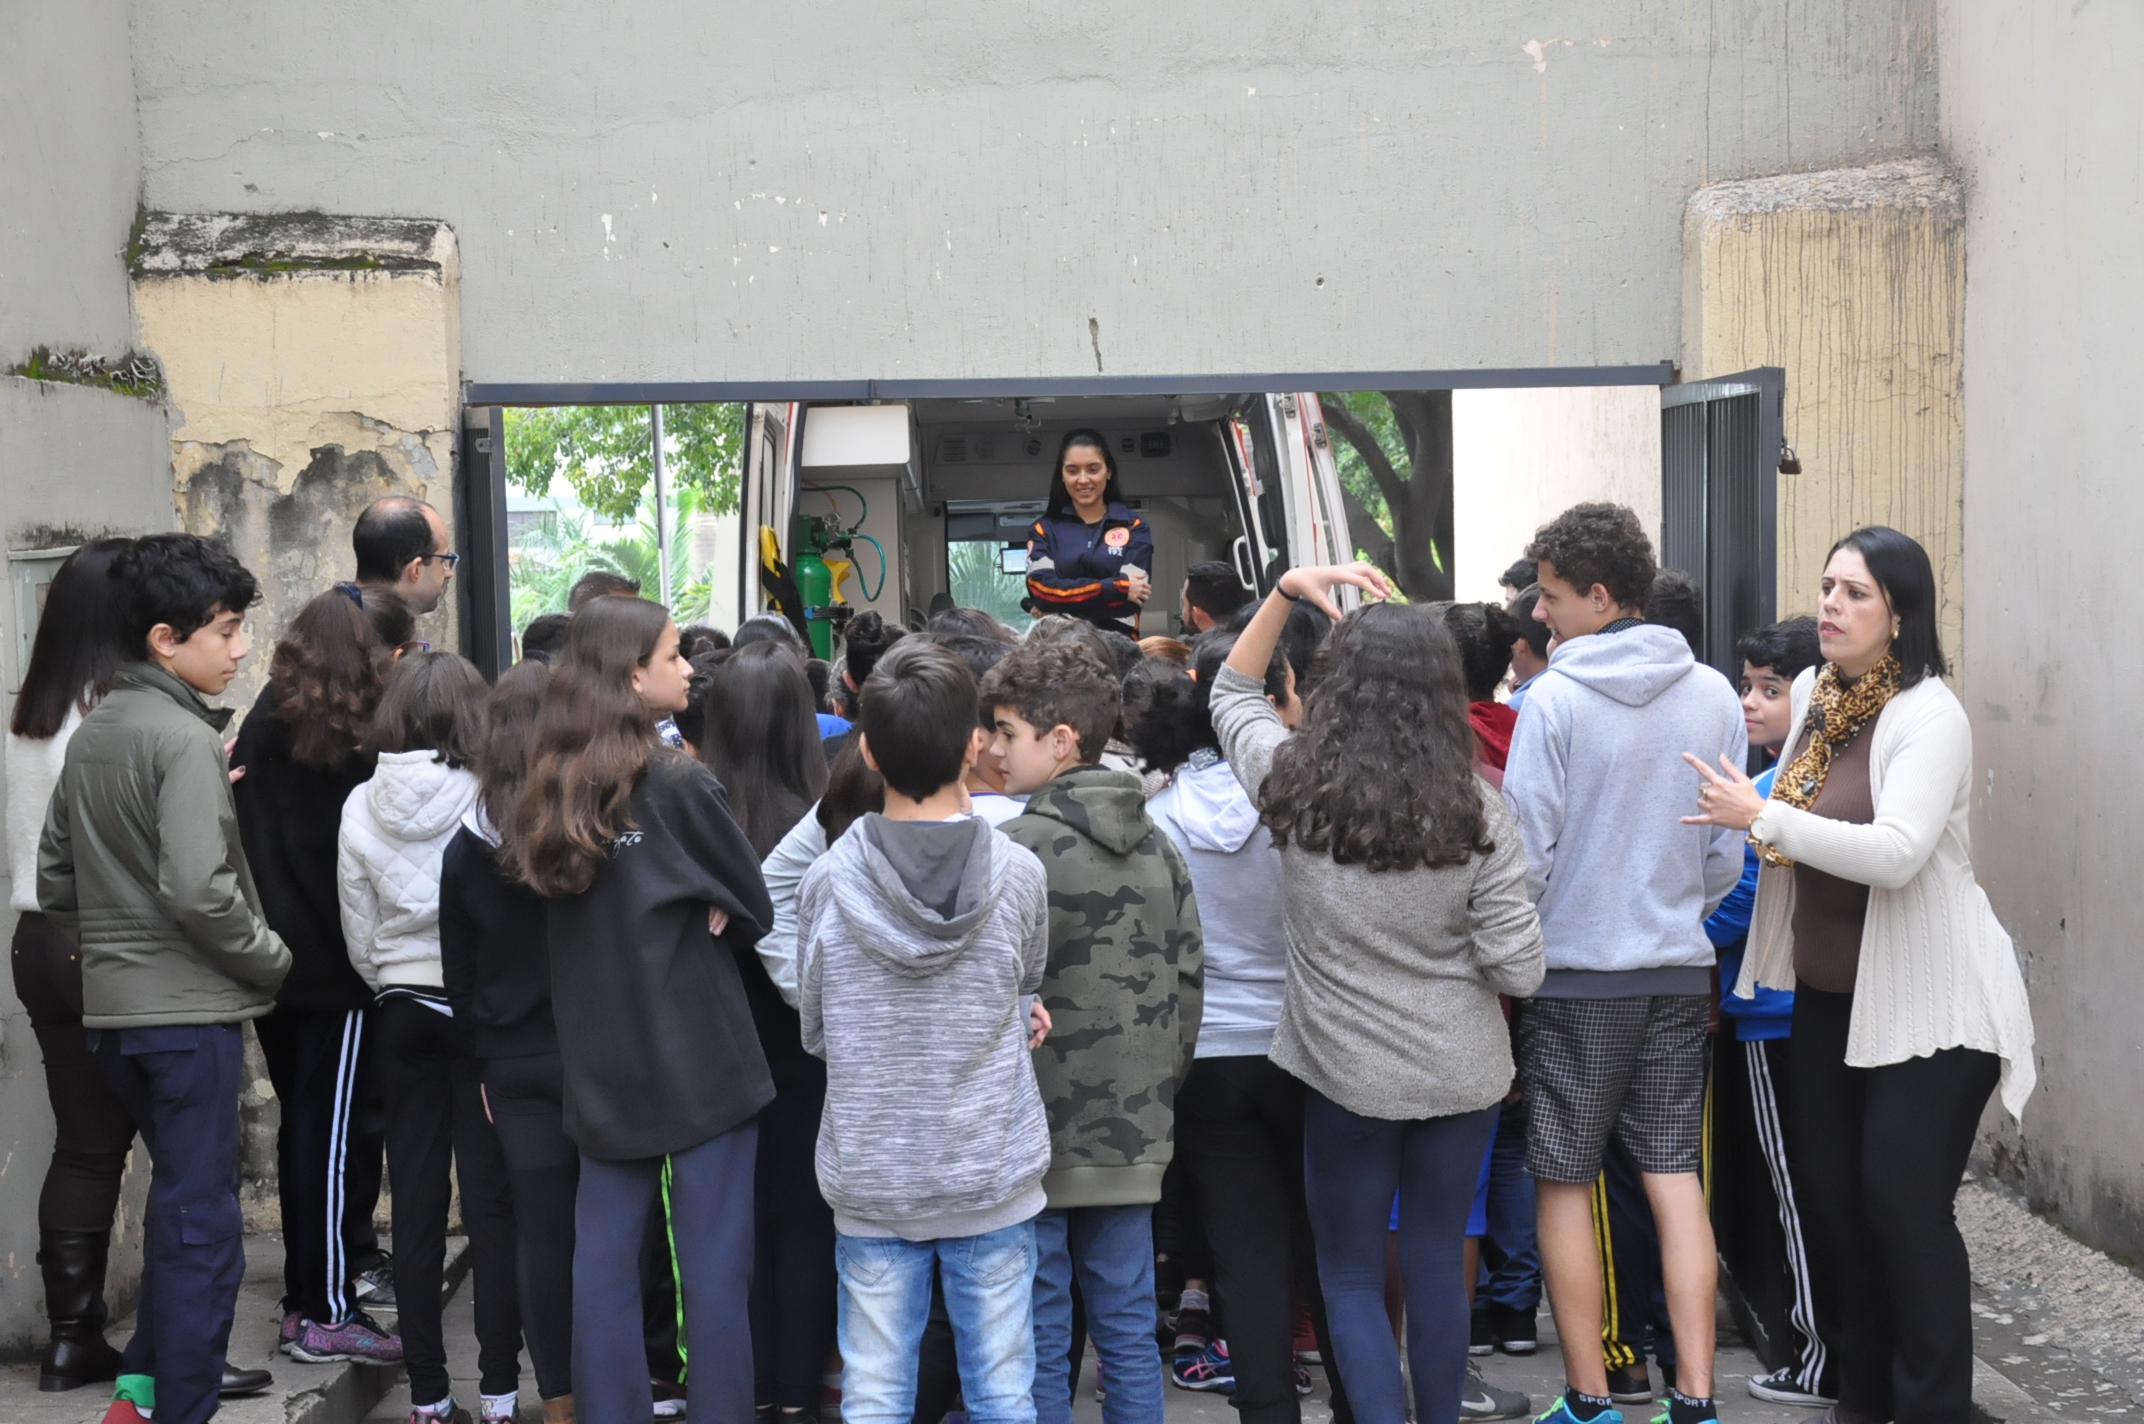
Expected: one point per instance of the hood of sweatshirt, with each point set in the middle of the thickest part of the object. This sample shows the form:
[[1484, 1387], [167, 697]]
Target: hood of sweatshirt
[[1631, 667], [1107, 807], [415, 796], [1210, 808], [925, 892]]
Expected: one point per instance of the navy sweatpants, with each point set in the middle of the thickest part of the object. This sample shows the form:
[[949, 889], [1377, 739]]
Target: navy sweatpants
[[711, 1219], [181, 1084]]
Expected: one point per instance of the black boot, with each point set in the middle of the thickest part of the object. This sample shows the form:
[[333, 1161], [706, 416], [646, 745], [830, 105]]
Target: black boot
[[73, 1266]]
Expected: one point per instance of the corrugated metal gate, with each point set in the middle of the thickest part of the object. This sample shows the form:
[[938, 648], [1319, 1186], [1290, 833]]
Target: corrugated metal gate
[[1719, 466]]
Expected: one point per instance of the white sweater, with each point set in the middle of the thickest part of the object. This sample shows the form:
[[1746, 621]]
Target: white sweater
[[33, 769], [395, 828], [1936, 969]]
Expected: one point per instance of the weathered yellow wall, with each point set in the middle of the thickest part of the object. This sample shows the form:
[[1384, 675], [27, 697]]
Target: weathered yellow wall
[[1853, 280], [314, 365]]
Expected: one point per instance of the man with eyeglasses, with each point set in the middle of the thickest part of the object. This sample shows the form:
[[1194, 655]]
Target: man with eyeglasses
[[402, 544]]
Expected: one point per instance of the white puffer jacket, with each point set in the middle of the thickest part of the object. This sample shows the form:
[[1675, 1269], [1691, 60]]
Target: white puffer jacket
[[395, 828]]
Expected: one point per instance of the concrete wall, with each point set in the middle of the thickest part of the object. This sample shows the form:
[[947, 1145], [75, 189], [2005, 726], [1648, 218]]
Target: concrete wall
[[73, 460], [1521, 457], [1854, 281], [851, 189], [2043, 117]]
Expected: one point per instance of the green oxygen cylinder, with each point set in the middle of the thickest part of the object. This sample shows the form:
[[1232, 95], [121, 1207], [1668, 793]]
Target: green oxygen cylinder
[[815, 586]]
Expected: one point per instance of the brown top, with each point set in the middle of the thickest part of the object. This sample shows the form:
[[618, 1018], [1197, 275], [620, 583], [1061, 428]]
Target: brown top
[[1828, 911]]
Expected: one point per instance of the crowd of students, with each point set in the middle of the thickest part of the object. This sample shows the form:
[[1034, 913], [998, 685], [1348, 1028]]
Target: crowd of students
[[1269, 998]]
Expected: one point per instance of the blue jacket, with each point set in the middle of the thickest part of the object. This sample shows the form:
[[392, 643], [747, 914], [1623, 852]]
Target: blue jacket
[[1771, 1013], [1078, 568]]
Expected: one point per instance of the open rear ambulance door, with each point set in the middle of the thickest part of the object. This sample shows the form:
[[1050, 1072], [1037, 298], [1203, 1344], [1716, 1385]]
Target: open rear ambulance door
[[767, 497], [1310, 485]]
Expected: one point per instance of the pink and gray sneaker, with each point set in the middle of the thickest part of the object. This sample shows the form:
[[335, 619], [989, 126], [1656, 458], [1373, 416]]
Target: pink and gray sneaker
[[359, 1338], [287, 1334]]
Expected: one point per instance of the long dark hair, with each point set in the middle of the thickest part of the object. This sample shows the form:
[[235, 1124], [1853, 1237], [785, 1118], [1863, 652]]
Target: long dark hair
[[326, 676], [592, 742], [434, 703], [81, 641], [502, 767], [1901, 569], [853, 791], [759, 737], [1178, 717], [1381, 772], [1060, 497]]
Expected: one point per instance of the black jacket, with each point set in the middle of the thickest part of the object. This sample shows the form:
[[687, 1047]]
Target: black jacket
[[288, 818], [492, 955], [657, 1039]]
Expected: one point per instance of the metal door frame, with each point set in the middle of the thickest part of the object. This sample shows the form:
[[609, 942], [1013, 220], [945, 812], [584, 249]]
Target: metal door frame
[[1697, 541]]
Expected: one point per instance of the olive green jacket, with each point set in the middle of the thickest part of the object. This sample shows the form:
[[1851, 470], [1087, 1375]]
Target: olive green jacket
[[140, 864], [1125, 986]]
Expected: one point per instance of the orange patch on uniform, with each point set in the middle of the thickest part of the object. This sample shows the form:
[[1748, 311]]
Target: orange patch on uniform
[[1117, 538]]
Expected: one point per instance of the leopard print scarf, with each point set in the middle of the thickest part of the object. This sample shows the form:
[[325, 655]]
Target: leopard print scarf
[[1837, 713]]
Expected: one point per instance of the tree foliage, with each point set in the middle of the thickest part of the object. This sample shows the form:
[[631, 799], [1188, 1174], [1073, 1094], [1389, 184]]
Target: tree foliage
[[606, 453], [1394, 456], [552, 555]]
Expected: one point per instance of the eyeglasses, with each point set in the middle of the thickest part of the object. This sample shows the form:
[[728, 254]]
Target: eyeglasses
[[415, 645], [450, 560]]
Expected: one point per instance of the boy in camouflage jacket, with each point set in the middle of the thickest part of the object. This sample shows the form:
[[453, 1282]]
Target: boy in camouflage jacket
[[1123, 987]]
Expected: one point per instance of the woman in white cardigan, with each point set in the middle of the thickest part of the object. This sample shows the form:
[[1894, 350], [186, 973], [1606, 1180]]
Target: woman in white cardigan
[[1908, 1006]]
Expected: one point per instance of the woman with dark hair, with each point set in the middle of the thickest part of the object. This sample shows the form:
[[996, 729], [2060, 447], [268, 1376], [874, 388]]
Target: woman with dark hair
[[1484, 633], [1405, 913], [395, 831], [80, 642], [1088, 555], [1239, 1117], [762, 742], [651, 891], [1908, 1004], [304, 749], [497, 975]]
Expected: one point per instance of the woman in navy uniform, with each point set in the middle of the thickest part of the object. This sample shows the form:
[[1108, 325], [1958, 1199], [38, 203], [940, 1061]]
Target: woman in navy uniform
[[1088, 555]]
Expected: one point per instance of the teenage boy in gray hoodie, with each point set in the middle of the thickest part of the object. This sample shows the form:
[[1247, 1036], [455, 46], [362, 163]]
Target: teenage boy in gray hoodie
[[922, 935], [1614, 1040]]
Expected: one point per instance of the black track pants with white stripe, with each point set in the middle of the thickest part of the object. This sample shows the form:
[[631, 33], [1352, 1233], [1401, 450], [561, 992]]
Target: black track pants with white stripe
[[328, 1153], [1757, 1215]]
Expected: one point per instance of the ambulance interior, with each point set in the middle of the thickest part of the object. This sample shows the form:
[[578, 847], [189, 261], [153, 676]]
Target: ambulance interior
[[905, 507]]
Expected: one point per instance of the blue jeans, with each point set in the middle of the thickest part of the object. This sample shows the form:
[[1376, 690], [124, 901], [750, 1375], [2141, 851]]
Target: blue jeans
[[711, 1221], [1511, 1253], [1112, 1249], [1352, 1166], [181, 1083], [886, 1298]]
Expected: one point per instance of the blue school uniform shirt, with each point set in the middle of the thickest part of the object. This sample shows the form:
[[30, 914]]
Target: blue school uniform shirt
[[1078, 568], [1771, 1013]]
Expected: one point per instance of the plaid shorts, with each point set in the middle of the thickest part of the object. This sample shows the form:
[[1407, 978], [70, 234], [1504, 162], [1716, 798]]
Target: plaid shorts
[[1631, 1067]]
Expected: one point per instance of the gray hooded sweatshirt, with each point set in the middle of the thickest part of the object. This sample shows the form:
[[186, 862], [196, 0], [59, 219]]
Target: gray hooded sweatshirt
[[1597, 778], [918, 947]]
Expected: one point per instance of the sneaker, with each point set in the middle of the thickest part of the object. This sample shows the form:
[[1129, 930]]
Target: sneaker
[[1483, 1400], [1560, 1413], [447, 1413], [288, 1332], [1302, 1378], [1481, 1337], [124, 1411], [1664, 1417], [669, 1399], [359, 1338], [375, 1289], [1629, 1384], [1514, 1330], [1210, 1371], [1781, 1387]]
